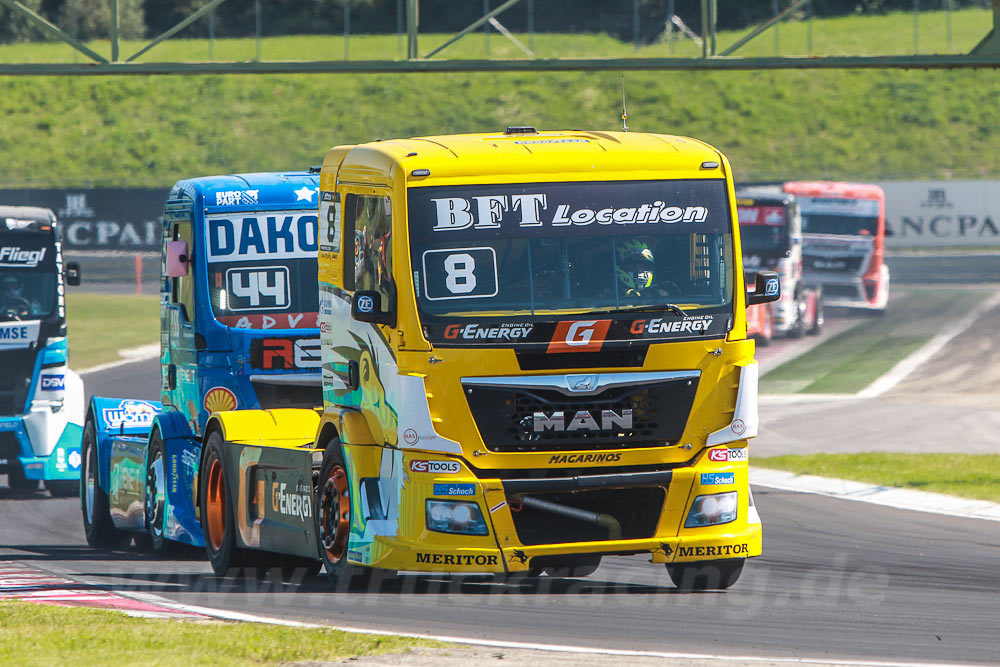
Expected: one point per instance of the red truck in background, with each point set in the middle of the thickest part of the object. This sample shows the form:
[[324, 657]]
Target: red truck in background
[[843, 233], [771, 233]]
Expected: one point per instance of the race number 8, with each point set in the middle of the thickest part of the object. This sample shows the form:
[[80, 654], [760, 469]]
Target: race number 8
[[460, 273], [461, 270]]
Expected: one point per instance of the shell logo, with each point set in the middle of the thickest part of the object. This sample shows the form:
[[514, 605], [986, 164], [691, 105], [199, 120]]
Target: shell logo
[[219, 399]]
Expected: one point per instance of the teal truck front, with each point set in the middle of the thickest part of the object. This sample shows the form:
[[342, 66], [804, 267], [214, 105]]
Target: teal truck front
[[41, 399]]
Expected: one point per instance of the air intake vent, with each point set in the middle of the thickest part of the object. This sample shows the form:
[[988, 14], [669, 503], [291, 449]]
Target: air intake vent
[[521, 129]]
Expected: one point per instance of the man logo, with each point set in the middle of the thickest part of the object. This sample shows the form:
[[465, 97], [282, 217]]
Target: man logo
[[365, 304], [579, 336]]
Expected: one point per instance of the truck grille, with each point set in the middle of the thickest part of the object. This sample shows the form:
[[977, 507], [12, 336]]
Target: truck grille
[[636, 510], [537, 419], [847, 265], [18, 366]]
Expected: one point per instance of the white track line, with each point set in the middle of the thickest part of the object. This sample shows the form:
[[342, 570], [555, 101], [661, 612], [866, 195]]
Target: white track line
[[906, 499], [130, 356], [902, 369], [559, 648]]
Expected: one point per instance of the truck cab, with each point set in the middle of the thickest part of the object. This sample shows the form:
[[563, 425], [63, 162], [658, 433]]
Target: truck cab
[[771, 236], [41, 399], [843, 232], [534, 355], [238, 329]]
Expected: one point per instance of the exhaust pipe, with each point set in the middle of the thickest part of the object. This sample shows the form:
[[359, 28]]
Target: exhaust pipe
[[604, 520]]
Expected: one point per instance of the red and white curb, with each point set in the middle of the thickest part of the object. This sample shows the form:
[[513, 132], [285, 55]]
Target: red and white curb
[[21, 582]]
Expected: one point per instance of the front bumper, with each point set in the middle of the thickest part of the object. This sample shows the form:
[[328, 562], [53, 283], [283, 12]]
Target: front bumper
[[400, 540]]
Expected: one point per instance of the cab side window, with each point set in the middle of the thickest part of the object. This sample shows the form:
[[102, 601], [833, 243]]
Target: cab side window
[[182, 290], [369, 219]]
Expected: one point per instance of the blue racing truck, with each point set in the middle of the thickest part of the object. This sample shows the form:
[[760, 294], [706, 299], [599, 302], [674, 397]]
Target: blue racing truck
[[238, 329], [41, 399]]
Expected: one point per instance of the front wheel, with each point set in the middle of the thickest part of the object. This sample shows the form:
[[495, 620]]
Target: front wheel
[[333, 514], [97, 525], [218, 520], [156, 496], [706, 575]]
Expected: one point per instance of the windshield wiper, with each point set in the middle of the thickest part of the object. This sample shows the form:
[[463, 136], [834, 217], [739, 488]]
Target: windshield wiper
[[673, 308]]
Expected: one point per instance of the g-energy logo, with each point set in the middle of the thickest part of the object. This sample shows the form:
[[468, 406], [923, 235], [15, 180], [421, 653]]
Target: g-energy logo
[[494, 333], [290, 504], [14, 256], [536, 210]]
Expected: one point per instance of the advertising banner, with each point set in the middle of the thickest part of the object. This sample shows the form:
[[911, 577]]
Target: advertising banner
[[942, 213], [125, 219]]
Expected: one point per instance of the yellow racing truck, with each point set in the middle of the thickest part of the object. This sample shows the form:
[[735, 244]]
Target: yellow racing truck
[[534, 355]]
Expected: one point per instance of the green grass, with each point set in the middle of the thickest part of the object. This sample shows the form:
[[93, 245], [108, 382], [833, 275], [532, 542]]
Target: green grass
[[101, 324], [966, 475], [33, 634], [151, 131], [851, 360]]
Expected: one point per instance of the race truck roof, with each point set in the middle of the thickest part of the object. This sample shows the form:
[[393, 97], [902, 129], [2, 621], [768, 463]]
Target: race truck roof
[[25, 218], [254, 189], [767, 195], [834, 189], [503, 156]]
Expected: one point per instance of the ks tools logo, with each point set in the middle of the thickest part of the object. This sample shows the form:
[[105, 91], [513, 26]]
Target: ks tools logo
[[579, 336]]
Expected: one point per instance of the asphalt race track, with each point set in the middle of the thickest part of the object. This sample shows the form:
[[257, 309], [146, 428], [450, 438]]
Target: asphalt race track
[[839, 580]]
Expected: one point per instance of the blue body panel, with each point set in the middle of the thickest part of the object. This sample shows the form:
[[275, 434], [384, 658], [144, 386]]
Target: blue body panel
[[241, 231]]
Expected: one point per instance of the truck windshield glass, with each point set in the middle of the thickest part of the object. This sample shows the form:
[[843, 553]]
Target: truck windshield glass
[[28, 275], [262, 268], [763, 229], [543, 248], [850, 217]]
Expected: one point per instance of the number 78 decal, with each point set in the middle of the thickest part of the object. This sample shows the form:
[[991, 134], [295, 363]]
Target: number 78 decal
[[460, 273]]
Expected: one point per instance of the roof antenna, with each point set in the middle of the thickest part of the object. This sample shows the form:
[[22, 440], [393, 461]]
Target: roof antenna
[[624, 111]]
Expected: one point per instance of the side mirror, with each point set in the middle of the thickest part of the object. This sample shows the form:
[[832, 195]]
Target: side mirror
[[177, 259], [72, 273], [366, 306], [767, 288]]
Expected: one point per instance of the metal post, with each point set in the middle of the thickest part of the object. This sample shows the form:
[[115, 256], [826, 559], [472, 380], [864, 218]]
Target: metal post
[[486, 28], [916, 27], [114, 31], [704, 28], [635, 25], [531, 25], [947, 23], [347, 29], [809, 31], [713, 21], [76, 30], [670, 25], [257, 27], [777, 37], [211, 35], [399, 28], [412, 23]]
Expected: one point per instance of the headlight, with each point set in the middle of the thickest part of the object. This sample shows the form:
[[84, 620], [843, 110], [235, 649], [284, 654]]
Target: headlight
[[712, 510], [455, 516]]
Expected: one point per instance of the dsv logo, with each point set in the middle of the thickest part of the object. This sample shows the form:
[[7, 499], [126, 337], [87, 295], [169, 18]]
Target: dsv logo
[[579, 336]]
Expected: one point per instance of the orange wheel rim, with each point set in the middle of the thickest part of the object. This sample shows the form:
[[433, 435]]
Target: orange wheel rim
[[335, 514], [215, 505]]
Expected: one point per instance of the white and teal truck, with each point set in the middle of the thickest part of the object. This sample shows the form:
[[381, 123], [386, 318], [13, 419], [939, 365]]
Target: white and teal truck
[[41, 399]]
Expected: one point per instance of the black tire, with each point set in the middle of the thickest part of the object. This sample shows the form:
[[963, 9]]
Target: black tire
[[156, 489], [817, 324], [799, 328], [217, 519], [16, 479], [706, 575], [63, 488], [97, 526]]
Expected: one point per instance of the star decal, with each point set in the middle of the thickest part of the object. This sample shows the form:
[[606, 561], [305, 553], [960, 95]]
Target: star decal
[[305, 194]]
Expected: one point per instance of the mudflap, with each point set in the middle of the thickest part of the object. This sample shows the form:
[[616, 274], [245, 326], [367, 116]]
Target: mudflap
[[182, 454]]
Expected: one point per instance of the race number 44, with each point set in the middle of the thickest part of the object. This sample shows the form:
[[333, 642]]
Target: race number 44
[[258, 288]]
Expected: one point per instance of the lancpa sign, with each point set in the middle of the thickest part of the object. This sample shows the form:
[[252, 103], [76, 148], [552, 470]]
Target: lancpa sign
[[942, 213]]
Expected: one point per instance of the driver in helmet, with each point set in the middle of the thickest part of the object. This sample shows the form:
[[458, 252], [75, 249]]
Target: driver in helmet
[[635, 268], [12, 298]]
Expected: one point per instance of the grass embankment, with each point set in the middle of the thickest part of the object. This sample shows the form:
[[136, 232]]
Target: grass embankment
[[853, 359], [101, 324], [34, 634], [967, 475], [150, 131]]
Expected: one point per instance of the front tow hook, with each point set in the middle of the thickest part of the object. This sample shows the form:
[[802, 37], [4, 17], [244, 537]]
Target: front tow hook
[[604, 520]]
